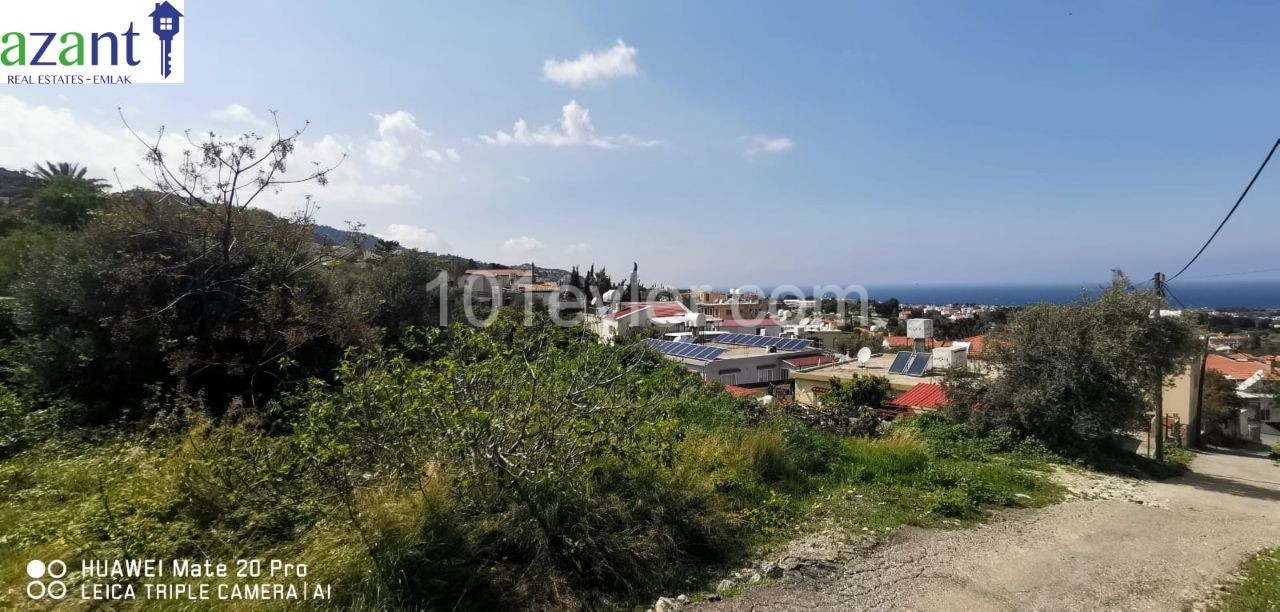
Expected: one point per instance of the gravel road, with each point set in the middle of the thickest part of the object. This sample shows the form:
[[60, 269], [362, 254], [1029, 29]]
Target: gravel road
[[1117, 544]]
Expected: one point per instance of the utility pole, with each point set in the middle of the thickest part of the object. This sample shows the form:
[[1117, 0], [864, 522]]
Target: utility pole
[[1158, 281]]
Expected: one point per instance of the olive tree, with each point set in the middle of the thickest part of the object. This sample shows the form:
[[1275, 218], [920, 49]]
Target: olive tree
[[1075, 373]]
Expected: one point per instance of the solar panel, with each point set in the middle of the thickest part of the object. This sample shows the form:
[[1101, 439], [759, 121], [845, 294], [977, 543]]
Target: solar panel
[[687, 350], [919, 363], [795, 344], [710, 353], [899, 364], [786, 344]]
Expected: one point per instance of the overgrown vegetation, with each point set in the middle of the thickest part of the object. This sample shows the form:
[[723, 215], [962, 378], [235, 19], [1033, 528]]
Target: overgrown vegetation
[[1260, 589], [509, 466]]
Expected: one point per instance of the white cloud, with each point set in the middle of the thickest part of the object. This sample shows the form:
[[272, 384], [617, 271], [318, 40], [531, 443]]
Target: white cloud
[[36, 133], [575, 129], [349, 184], [238, 113], [522, 244], [415, 237], [31, 133], [400, 138], [577, 247], [760, 144], [615, 62]]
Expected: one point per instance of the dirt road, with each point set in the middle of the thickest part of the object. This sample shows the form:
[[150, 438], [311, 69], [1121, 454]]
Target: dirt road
[[1164, 553]]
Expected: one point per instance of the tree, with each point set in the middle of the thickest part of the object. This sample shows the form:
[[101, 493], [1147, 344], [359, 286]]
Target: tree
[[851, 406], [1220, 401], [887, 308], [185, 286], [407, 290], [66, 201], [50, 171], [1073, 374]]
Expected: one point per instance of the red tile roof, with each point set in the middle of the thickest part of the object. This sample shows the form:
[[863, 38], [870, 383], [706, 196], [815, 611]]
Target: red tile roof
[[667, 309], [923, 395], [742, 391], [1237, 369], [809, 361], [657, 309]]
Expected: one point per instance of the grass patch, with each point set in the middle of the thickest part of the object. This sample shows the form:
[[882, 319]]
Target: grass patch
[[732, 487], [1260, 589]]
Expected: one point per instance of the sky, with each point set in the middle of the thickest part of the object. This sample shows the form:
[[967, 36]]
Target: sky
[[726, 143]]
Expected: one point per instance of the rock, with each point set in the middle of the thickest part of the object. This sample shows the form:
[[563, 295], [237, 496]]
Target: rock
[[712, 597], [683, 599], [755, 577], [665, 604], [724, 586], [773, 571]]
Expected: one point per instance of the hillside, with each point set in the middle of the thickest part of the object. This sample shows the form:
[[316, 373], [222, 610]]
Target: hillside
[[332, 235], [13, 183]]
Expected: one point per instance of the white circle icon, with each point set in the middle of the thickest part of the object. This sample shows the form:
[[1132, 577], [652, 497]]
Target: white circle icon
[[35, 568], [56, 568]]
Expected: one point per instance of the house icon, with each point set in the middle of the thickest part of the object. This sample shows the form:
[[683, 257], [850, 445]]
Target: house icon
[[165, 22]]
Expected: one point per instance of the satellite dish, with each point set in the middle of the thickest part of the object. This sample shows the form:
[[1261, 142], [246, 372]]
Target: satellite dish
[[864, 355]]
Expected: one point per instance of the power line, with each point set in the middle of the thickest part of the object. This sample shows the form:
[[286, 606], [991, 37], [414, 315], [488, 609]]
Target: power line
[[1236, 273], [1175, 298], [1230, 212]]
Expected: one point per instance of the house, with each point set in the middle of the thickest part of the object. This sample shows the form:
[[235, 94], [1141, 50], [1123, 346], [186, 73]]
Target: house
[[544, 293], [627, 317], [739, 359], [735, 305], [924, 397], [812, 383], [1259, 420], [486, 283], [766, 326]]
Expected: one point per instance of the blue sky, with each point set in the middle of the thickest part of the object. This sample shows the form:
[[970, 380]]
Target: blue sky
[[734, 142]]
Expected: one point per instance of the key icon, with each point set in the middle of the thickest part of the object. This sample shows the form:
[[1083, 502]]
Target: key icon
[[165, 23]]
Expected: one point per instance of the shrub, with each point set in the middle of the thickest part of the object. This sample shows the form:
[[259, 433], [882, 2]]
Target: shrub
[[560, 453]]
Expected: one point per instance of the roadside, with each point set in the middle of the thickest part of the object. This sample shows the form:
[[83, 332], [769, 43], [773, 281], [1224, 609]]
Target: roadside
[[1116, 544]]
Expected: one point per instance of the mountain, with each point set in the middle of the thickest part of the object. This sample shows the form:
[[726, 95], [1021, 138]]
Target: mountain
[[334, 236]]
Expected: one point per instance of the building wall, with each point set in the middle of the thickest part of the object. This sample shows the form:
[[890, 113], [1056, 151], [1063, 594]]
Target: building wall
[[1179, 400], [807, 391], [725, 310], [759, 369], [755, 330]]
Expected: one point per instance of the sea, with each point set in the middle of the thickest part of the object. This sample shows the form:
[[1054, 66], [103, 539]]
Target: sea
[[1221, 294]]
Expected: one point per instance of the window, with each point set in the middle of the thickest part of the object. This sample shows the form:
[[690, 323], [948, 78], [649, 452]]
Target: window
[[729, 377], [166, 23], [766, 373]]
